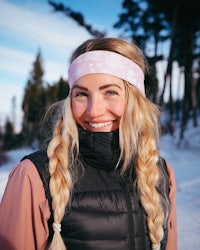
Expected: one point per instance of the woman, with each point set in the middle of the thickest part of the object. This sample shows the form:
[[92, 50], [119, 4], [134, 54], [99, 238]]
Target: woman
[[103, 184]]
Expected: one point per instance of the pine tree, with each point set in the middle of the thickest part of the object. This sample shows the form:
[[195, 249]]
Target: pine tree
[[9, 138], [34, 102]]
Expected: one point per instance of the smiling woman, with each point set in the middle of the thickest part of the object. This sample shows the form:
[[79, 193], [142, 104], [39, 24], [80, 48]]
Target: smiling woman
[[100, 183], [98, 102]]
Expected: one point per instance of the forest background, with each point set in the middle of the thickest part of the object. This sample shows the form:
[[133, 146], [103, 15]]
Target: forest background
[[152, 25]]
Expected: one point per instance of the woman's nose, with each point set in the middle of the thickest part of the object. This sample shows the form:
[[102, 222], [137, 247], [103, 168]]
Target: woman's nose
[[95, 107]]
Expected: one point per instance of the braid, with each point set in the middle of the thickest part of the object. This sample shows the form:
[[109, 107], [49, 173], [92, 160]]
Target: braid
[[138, 142], [147, 173], [60, 163], [147, 179]]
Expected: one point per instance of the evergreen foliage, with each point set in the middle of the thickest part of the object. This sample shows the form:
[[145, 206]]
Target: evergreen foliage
[[33, 102], [37, 98], [9, 138]]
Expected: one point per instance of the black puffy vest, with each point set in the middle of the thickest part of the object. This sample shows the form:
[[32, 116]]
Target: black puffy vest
[[105, 212]]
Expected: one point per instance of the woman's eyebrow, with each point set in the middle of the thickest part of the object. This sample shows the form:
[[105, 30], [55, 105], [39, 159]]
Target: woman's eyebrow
[[105, 86], [110, 85], [79, 87]]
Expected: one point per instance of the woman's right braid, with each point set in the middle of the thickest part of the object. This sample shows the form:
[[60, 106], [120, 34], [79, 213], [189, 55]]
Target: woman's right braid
[[60, 181]]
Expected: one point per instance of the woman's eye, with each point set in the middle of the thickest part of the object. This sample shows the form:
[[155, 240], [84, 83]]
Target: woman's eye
[[111, 92], [80, 94]]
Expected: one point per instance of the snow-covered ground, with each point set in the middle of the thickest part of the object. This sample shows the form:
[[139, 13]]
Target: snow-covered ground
[[185, 161]]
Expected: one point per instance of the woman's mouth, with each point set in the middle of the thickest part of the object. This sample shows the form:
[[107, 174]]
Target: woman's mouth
[[100, 124]]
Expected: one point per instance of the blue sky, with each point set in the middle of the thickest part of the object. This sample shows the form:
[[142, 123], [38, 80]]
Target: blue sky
[[27, 25]]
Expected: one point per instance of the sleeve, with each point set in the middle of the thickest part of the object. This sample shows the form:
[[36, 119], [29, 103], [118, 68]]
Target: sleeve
[[172, 243], [24, 210]]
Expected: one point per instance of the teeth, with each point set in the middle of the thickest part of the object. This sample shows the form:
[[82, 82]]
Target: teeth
[[100, 125]]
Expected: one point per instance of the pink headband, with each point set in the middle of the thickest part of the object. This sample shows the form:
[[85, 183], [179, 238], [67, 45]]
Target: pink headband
[[106, 62]]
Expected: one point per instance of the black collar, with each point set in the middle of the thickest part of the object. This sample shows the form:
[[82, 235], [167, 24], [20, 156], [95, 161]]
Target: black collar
[[99, 149]]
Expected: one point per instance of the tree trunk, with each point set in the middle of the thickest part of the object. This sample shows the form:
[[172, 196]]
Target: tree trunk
[[171, 52], [194, 103], [171, 107], [189, 36], [188, 48]]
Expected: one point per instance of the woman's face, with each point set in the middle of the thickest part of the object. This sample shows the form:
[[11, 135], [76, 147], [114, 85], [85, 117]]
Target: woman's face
[[98, 102]]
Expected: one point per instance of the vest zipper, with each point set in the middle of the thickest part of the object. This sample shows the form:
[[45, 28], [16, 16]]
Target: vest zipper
[[130, 215]]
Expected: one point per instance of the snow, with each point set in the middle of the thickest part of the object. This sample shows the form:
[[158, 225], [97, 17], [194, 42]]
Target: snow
[[185, 160]]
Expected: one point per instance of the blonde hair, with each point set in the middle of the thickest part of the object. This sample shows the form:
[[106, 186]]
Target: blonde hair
[[139, 133], [138, 136], [62, 152]]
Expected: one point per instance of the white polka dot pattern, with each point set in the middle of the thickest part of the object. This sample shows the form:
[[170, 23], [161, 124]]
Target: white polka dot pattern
[[106, 62]]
